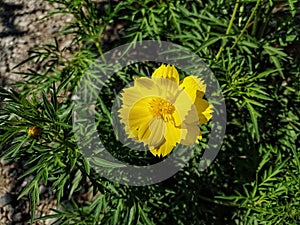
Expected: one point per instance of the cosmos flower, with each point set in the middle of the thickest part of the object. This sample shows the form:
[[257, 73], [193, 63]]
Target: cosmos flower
[[162, 111]]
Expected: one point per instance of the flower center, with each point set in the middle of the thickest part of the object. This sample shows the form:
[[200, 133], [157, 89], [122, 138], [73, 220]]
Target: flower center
[[159, 107]]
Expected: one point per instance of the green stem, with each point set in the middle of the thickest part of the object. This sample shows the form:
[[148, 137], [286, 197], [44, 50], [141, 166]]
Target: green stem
[[229, 26], [99, 48], [256, 19], [247, 24], [97, 41]]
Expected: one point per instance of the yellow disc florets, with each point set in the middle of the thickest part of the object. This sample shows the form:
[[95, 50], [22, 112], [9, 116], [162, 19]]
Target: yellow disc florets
[[160, 107]]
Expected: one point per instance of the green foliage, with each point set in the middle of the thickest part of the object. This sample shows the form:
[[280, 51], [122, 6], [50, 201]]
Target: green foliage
[[251, 46]]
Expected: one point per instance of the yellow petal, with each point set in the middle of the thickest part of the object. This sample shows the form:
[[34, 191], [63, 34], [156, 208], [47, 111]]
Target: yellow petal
[[138, 110], [190, 134], [157, 128], [172, 134], [164, 149], [138, 113], [167, 79], [143, 131], [143, 88], [172, 137], [176, 119], [204, 110], [185, 108], [146, 87], [167, 71], [168, 89], [137, 119], [129, 96], [194, 86]]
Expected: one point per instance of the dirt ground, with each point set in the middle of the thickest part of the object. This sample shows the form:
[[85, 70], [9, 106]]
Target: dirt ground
[[22, 27]]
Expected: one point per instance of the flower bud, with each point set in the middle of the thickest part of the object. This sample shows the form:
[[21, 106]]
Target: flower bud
[[34, 132]]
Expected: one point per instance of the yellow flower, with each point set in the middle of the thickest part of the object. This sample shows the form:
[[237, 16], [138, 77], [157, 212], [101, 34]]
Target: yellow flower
[[162, 112]]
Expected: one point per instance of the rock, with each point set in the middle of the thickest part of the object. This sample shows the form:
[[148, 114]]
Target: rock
[[3, 69], [42, 189], [27, 180], [6, 199], [7, 207], [22, 29], [2, 220], [4, 162], [19, 22], [10, 212], [17, 217]]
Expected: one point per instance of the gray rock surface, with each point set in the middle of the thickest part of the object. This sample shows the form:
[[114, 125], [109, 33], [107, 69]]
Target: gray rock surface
[[5, 199], [22, 27]]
